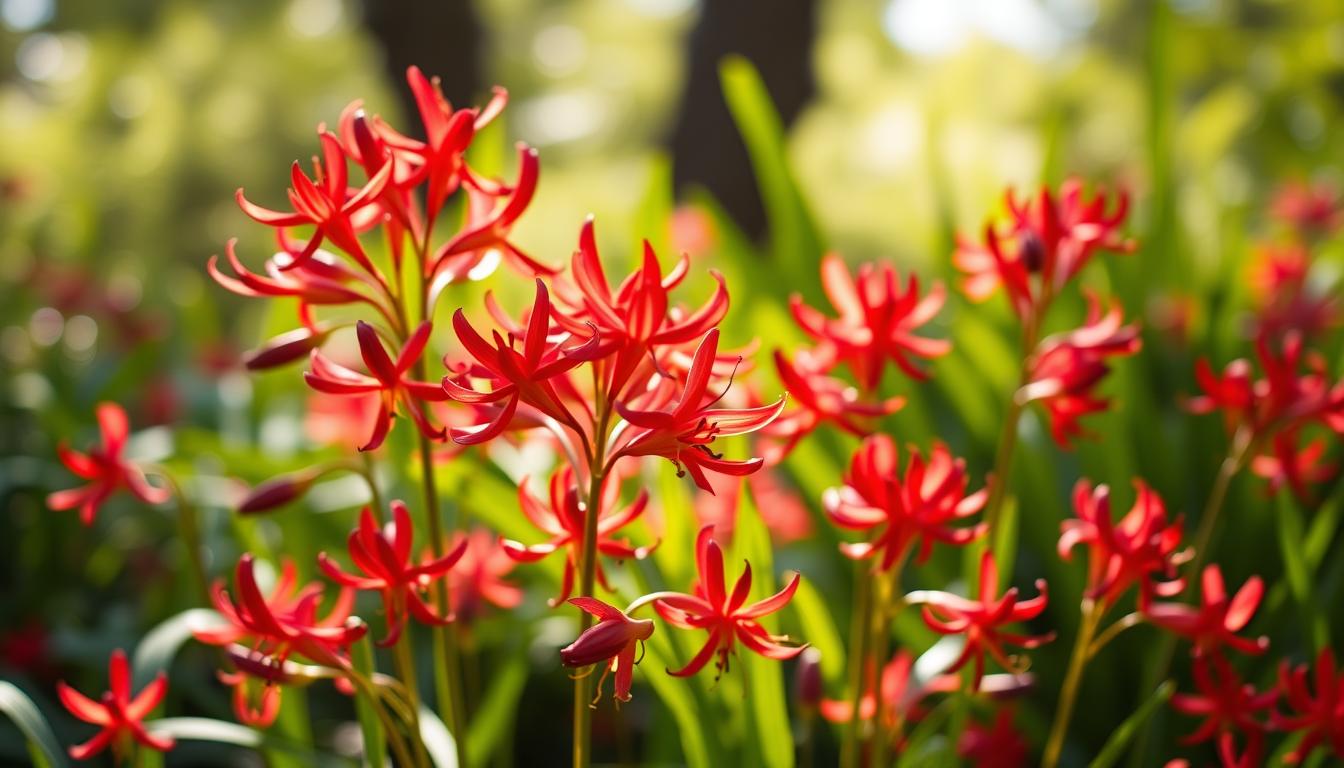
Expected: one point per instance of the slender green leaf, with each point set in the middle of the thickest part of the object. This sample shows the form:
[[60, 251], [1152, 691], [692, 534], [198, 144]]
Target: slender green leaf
[[160, 645], [438, 741], [222, 732], [42, 745], [375, 741], [1290, 527], [822, 633], [1119, 741], [494, 717]]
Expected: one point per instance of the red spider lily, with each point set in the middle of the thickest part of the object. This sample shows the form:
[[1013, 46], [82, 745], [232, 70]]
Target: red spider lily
[[477, 579], [1065, 369], [897, 698], [564, 519], [384, 557], [279, 625], [489, 228], [119, 714], [1284, 302], [725, 616], [919, 508], [634, 318], [1319, 717], [1226, 704], [1053, 237], [332, 419], [524, 376], [682, 433], [821, 399], [105, 468], [1216, 622], [1284, 398], [613, 638], [1143, 545], [1296, 467], [389, 379], [778, 505], [876, 321], [981, 620], [338, 212], [999, 745], [320, 280], [1310, 208]]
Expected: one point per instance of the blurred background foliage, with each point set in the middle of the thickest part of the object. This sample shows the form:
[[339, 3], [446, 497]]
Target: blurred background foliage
[[126, 126]]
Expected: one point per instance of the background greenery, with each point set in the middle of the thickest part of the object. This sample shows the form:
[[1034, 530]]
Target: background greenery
[[126, 126]]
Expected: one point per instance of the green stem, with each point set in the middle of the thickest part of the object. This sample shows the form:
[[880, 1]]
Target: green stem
[[588, 566], [400, 752], [887, 605], [189, 528], [860, 621], [366, 708], [1068, 695], [401, 654]]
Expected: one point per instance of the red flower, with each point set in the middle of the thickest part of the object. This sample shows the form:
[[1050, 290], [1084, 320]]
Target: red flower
[[1142, 546], [1227, 704], [919, 508], [338, 212], [389, 379], [614, 638], [276, 627], [1218, 620], [384, 556], [105, 467], [1320, 718], [477, 578], [1310, 208], [981, 620], [998, 746], [725, 616], [1296, 467], [821, 399], [524, 376], [876, 321], [1048, 236], [1065, 369], [1284, 301], [488, 226], [119, 714], [564, 519], [682, 433], [897, 697], [634, 319]]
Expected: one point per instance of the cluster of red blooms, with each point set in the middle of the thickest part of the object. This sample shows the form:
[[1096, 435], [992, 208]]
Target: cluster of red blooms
[[606, 373]]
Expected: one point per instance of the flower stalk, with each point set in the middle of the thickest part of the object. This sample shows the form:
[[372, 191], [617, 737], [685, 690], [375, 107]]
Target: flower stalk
[[1082, 652]]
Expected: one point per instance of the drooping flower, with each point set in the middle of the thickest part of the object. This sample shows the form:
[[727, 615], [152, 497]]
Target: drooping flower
[[1218, 619], [981, 621], [383, 555], [563, 519], [275, 627], [338, 212], [518, 376], [1048, 240], [119, 714], [478, 578], [1225, 702], [1319, 716], [876, 320], [999, 745], [106, 469], [726, 617], [919, 508], [611, 642], [634, 319], [390, 379], [682, 432], [1065, 369], [1141, 550]]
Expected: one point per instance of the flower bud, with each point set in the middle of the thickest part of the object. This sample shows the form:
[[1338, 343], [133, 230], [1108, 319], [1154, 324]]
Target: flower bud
[[606, 639], [285, 348], [279, 491], [807, 685]]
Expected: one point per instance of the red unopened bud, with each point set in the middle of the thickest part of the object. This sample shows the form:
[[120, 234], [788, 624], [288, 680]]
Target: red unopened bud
[[370, 149], [611, 642], [279, 491], [807, 680], [285, 348]]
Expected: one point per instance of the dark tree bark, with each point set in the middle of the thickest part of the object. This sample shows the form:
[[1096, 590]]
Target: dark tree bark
[[776, 36], [442, 37]]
